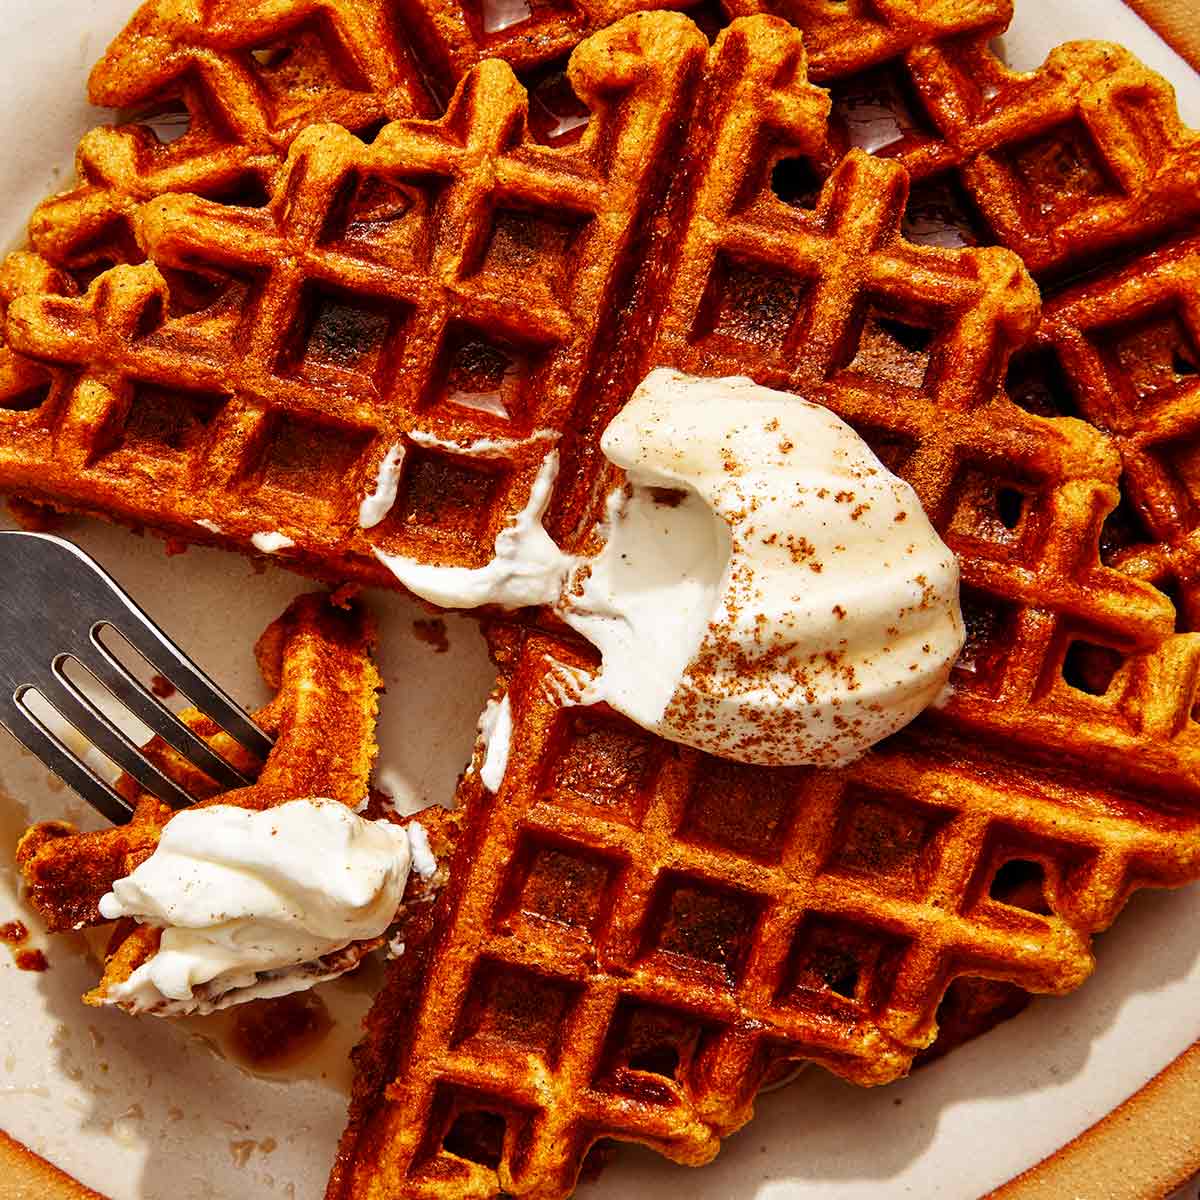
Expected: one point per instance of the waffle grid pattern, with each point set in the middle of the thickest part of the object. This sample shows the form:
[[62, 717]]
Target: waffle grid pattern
[[1080, 164], [643, 933], [909, 343], [242, 81], [638, 934], [344, 326], [1058, 164], [446, 282], [1019, 498], [1084, 158], [1122, 350]]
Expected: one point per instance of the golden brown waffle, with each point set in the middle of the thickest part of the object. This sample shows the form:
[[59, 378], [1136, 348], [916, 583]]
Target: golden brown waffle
[[334, 310], [383, 285], [1082, 165], [1121, 349], [901, 343], [1083, 157], [293, 320], [971, 1007], [451, 279], [1058, 164], [637, 935], [229, 85], [1055, 164], [24, 383], [319, 660]]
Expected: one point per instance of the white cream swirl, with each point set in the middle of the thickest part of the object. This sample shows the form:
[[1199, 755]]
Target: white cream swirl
[[258, 903], [768, 590]]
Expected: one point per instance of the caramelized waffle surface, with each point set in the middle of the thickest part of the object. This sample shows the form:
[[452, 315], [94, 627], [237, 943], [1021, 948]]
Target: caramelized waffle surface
[[970, 1008], [908, 346], [1084, 157], [224, 87], [446, 295], [1080, 162], [636, 935], [25, 384], [319, 660], [446, 283], [1120, 348], [456, 281], [1060, 164], [1085, 170]]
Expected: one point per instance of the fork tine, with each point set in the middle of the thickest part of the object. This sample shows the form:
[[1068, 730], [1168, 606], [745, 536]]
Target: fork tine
[[169, 661], [74, 707], [55, 593], [42, 742], [129, 690]]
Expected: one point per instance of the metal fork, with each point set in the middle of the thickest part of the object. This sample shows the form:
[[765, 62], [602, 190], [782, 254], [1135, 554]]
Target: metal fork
[[54, 603]]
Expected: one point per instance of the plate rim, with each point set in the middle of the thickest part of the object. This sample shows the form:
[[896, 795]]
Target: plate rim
[[1148, 1133], [1151, 1134]]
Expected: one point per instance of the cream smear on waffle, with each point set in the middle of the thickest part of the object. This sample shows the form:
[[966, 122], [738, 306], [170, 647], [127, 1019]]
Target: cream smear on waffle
[[766, 589], [260, 903]]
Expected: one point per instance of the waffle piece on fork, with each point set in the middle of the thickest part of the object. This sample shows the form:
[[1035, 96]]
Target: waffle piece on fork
[[319, 660]]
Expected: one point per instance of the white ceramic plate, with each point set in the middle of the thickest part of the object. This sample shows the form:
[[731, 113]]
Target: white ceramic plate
[[145, 1109]]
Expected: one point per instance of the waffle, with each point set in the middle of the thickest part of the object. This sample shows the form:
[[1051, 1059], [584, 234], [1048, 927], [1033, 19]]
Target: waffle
[[1084, 169], [1121, 349], [1084, 158], [226, 87], [834, 938], [25, 384], [254, 375], [637, 936], [272, 421], [1055, 164], [323, 720]]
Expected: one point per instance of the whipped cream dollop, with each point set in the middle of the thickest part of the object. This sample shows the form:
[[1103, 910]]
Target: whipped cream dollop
[[766, 589], [270, 541], [378, 504], [259, 903]]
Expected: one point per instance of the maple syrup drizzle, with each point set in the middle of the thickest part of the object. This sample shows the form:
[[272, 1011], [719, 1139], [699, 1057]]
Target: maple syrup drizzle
[[278, 1032], [13, 934]]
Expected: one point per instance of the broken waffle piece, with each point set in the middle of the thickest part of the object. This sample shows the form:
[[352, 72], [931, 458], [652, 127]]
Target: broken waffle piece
[[260, 891]]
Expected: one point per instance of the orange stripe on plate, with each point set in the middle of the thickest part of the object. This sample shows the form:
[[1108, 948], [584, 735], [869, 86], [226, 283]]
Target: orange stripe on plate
[[1143, 1149], [1177, 23]]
